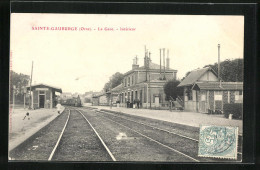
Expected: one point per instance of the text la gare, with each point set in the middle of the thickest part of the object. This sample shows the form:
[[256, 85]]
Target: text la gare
[[105, 29]]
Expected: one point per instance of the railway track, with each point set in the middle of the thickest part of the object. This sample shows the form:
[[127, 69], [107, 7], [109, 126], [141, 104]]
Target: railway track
[[135, 126], [85, 135], [62, 140], [161, 129], [39, 146], [133, 145], [79, 141]]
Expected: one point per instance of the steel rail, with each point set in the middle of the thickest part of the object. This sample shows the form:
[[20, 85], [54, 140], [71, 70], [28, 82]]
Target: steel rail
[[157, 128], [109, 152], [57, 143], [154, 140], [183, 136]]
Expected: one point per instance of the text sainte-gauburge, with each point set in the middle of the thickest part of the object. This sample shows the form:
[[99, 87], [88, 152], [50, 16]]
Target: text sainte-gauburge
[[46, 28]]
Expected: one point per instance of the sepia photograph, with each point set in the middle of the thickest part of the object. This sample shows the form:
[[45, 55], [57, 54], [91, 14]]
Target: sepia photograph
[[126, 87]]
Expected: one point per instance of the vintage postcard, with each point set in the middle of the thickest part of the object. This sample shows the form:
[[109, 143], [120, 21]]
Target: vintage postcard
[[126, 87]]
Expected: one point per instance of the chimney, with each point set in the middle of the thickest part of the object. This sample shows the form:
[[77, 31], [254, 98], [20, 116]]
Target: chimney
[[168, 60], [145, 63], [145, 57], [135, 63]]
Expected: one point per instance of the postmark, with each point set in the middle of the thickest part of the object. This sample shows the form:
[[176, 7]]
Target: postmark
[[218, 141]]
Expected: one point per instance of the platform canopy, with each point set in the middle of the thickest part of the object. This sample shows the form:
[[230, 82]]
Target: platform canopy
[[44, 86]]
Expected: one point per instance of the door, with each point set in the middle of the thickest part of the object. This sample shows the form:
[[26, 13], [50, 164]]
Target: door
[[42, 99], [157, 104]]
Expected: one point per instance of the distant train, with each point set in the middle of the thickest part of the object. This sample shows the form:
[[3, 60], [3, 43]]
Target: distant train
[[75, 101]]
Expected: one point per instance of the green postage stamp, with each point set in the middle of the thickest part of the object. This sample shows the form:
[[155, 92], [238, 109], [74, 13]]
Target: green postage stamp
[[218, 141]]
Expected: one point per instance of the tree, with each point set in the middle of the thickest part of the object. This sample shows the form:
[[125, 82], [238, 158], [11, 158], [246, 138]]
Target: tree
[[171, 90], [114, 81], [20, 81], [186, 75], [230, 70]]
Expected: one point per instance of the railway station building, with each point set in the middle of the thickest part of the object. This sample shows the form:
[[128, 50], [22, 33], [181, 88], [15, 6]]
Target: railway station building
[[144, 84], [100, 99], [204, 91], [43, 96]]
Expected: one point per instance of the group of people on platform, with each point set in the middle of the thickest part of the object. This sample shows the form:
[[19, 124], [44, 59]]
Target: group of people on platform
[[136, 103]]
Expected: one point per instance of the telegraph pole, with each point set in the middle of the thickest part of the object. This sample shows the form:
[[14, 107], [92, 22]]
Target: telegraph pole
[[219, 65], [160, 64], [24, 93], [219, 61], [164, 63], [31, 88], [149, 81]]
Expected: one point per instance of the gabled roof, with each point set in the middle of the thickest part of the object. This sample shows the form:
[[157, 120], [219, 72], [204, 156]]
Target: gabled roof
[[217, 86], [195, 75], [117, 88], [152, 66], [41, 84]]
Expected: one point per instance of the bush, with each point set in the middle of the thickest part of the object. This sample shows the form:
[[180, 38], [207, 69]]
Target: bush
[[171, 90], [236, 109], [217, 112]]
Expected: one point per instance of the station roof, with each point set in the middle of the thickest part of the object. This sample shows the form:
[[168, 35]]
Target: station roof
[[218, 86], [41, 85], [117, 88], [195, 75], [152, 66]]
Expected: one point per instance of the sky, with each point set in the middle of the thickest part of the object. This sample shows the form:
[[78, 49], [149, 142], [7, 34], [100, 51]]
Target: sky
[[83, 60]]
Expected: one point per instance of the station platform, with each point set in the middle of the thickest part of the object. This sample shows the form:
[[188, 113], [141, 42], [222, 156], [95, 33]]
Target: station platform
[[21, 126], [193, 119]]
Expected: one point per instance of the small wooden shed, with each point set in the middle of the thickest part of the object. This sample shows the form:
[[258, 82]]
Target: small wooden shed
[[43, 96]]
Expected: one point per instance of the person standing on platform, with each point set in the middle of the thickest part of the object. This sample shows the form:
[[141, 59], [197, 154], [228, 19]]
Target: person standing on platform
[[58, 107], [138, 103]]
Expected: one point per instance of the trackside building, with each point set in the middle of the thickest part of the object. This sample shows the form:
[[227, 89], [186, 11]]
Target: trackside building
[[203, 91], [144, 84], [43, 96]]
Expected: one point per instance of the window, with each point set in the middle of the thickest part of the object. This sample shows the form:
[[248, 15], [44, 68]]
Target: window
[[238, 96], [189, 94], [218, 95], [128, 81], [203, 97], [41, 92], [132, 80]]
